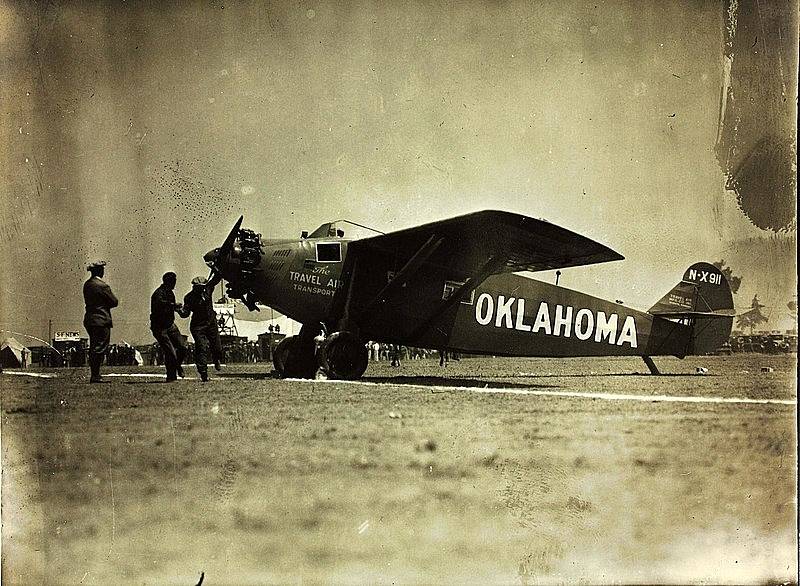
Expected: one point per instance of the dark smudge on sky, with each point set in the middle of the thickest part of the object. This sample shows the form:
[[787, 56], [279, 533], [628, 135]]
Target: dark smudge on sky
[[138, 134], [757, 140]]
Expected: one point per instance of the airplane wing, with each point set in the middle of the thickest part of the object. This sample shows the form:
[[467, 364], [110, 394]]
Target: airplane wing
[[524, 243], [408, 270]]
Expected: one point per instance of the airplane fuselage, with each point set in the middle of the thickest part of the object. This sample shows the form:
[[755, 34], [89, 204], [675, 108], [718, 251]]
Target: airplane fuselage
[[507, 314], [297, 281]]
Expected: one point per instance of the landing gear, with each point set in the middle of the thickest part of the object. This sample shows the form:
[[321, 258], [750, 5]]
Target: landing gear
[[294, 358], [651, 365], [280, 355], [343, 356]]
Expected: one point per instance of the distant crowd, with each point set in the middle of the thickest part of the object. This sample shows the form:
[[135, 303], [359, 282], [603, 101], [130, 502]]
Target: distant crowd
[[395, 354], [235, 353], [231, 353], [75, 355], [254, 352]]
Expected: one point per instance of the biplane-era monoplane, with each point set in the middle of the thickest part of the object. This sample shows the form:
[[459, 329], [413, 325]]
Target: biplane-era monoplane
[[452, 285]]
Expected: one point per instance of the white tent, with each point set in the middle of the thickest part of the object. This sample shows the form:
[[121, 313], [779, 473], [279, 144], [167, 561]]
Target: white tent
[[14, 355], [252, 329], [251, 324]]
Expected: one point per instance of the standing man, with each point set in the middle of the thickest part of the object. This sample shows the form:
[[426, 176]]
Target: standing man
[[394, 355], [162, 324], [203, 325], [99, 301]]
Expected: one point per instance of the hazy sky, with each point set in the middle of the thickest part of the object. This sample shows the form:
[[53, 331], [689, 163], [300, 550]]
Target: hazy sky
[[138, 134]]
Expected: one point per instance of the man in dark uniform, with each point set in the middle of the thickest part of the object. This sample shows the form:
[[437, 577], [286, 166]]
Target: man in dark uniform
[[162, 324], [99, 300], [203, 325]]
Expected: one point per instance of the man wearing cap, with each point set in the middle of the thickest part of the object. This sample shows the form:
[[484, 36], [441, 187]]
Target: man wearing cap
[[203, 325], [162, 324], [99, 300]]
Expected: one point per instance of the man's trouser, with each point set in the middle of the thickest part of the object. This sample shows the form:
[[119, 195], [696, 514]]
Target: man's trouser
[[206, 345], [171, 343], [99, 338]]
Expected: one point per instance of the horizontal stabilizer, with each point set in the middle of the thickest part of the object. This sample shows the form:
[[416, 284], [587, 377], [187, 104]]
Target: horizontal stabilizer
[[717, 313]]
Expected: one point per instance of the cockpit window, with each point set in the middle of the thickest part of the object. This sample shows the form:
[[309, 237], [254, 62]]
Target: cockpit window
[[329, 251]]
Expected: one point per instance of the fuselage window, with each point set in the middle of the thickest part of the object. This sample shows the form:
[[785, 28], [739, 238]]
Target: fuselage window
[[329, 252], [451, 287]]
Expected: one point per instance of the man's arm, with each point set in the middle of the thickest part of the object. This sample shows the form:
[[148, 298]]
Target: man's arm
[[210, 290], [185, 309], [111, 299], [164, 300]]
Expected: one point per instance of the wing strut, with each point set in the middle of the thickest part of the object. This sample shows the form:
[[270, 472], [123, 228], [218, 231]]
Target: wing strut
[[401, 278], [489, 267], [344, 320]]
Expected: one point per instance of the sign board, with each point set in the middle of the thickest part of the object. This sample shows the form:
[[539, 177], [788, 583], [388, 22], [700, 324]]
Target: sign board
[[224, 308], [67, 337]]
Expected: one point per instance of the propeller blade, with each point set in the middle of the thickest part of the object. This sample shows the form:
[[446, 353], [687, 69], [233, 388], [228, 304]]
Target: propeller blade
[[228, 244], [215, 258], [214, 278]]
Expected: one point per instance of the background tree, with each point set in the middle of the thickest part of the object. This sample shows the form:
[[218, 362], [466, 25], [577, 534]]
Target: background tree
[[733, 281], [752, 317]]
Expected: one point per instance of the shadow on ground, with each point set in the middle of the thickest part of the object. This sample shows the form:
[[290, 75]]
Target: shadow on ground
[[603, 374], [248, 375], [450, 381]]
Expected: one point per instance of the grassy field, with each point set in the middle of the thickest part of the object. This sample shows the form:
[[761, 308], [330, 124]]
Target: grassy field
[[421, 474]]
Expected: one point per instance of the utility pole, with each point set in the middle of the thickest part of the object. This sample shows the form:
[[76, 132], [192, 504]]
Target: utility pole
[[49, 331]]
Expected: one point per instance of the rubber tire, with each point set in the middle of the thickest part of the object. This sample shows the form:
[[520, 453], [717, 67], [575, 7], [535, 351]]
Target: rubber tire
[[295, 359], [343, 356], [280, 354]]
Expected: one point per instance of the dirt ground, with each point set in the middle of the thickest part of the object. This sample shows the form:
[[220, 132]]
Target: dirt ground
[[419, 474]]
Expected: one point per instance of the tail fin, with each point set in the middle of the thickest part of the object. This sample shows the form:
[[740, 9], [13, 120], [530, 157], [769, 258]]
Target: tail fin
[[704, 300]]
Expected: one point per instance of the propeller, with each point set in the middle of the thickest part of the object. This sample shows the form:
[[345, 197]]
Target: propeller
[[221, 253]]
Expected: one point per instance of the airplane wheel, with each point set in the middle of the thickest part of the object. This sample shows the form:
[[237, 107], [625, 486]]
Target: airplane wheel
[[280, 355], [343, 356], [292, 360]]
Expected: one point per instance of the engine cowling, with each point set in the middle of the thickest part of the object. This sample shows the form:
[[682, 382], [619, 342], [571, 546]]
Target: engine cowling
[[244, 265]]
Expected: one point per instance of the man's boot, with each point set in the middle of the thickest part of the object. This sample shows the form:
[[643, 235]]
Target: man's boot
[[94, 366]]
